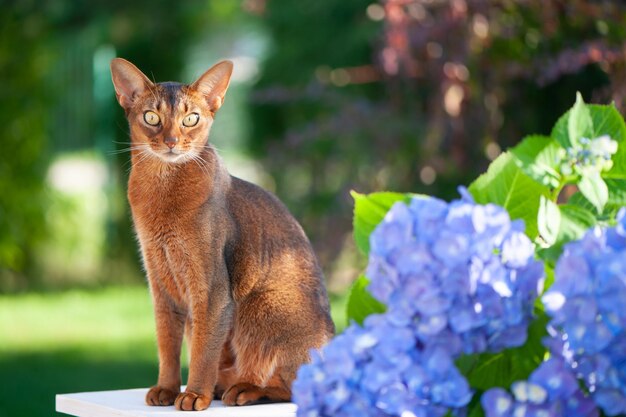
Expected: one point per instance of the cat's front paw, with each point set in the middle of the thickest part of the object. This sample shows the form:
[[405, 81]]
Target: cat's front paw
[[158, 395], [191, 401]]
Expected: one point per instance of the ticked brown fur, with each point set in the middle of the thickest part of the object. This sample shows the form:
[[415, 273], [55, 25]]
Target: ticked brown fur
[[227, 265]]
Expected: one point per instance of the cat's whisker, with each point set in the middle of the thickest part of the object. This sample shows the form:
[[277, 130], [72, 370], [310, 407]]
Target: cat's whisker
[[130, 165], [143, 155], [142, 149], [208, 146], [222, 151], [127, 164], [195, 162], [124, 150], [212, 146], [201, 163], [133, 164], [204, 164], [126, 144]]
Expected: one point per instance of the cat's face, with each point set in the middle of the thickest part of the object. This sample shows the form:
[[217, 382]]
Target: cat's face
[[170, 121]]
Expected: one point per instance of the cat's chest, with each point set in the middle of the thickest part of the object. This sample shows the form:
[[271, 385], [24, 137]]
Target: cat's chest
[[164, 201], [170, 243], [166, 223], [163, 217], [168, 261]]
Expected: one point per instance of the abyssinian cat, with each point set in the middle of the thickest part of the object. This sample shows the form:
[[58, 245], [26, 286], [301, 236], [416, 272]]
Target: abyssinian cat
[[227, 264]]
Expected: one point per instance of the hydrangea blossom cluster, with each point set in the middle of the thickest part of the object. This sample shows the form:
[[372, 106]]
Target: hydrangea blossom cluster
[[551, 391], [461, 274], [587, 307], [591, 154], [379, 370]]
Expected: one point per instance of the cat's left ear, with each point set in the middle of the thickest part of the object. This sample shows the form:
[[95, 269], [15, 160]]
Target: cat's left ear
[[214, 83]]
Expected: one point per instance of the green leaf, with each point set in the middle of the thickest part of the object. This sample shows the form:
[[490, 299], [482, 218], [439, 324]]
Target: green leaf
[[617, 192], [361, 303], [474, 407], [369, 210], [593, 187], [548, 220], [617, 199], [538, 157], [579, 122], [490, 370], [578, 199], [575, 221], [507, 185], [606, 120], [559, 131], [547, 283]]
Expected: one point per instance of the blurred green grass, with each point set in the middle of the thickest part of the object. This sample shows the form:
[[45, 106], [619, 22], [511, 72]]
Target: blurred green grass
[[79, 340]]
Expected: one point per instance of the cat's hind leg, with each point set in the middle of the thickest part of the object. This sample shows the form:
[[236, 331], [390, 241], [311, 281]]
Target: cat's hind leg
[[272, 338], [248, 394]]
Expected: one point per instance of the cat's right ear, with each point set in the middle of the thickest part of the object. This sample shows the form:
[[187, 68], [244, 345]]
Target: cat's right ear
[[129, 82]]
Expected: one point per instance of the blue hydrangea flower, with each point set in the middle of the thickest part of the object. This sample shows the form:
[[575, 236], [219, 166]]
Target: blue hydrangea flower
[[379, 370], [551, 391], [588, 315], [462, 274]]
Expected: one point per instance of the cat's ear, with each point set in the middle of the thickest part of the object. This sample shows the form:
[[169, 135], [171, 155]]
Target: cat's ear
[[129, 82], [214, 83]]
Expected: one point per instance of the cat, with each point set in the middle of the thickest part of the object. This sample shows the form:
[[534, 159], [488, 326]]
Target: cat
[[227, 264]]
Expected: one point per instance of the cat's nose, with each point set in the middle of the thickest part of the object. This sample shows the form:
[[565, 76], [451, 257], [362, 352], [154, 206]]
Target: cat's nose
[[171, 141]]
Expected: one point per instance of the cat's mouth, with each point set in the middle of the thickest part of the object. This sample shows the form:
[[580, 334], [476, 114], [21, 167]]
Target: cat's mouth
[[172, 155]]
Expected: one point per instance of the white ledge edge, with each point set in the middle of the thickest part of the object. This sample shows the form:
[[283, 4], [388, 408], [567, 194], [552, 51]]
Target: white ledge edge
[[130, 403]]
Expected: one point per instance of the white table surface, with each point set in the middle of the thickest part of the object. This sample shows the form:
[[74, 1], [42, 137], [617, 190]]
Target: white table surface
[[130, 403]]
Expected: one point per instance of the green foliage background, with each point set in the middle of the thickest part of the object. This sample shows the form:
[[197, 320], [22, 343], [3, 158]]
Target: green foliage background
[[514, 67], [346, 96], [342, 95], [57, 98]]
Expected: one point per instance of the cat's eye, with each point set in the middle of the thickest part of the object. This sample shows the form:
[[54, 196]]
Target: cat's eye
[[191, 119], [151, 118]]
